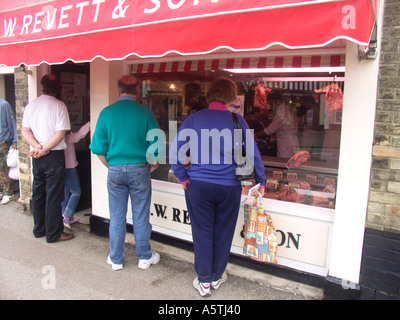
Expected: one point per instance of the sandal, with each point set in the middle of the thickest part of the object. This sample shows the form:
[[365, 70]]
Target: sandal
[[73, 220], [66, 222]]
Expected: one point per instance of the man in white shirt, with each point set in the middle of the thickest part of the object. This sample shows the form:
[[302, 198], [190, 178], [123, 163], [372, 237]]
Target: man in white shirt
[[44, 124]]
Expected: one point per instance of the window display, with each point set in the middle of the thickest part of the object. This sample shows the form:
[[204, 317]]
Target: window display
[[296, 122]]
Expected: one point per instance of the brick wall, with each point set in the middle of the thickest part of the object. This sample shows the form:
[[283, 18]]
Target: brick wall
[[380, 271], [384, 206], [21, 100]]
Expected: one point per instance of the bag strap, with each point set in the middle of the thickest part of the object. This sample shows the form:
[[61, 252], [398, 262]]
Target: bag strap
[[236, 121], [236, 133]]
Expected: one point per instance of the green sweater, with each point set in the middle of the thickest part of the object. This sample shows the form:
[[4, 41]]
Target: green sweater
[[121, 131]]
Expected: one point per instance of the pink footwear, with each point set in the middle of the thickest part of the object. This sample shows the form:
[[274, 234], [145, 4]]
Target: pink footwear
[[73, 220], [66, 222]]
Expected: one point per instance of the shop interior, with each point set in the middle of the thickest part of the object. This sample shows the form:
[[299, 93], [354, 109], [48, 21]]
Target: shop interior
[[313, 110]]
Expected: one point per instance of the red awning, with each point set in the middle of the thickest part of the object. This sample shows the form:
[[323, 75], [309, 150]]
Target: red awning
[[53, 31]]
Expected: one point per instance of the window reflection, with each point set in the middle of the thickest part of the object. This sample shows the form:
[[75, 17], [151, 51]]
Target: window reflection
[[310, 112]]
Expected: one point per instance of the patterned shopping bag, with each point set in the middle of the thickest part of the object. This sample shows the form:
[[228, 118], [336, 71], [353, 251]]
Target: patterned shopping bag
[[260, 241]]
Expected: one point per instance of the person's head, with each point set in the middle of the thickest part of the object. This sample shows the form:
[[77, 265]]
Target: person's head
[[50, 84], [128, 84], [222, 90], [274, 99], [308, 101]]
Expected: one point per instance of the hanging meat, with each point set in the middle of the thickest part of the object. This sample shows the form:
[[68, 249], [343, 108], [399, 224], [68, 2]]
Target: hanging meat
[[333, 97], [299, 158], [260, 96]]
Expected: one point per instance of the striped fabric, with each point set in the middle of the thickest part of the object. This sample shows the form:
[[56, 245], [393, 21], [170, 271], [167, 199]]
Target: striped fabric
[[243, 63]]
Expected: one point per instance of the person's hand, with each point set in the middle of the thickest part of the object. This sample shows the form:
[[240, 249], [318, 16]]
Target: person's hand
[[259, 192], [186, 185], [35, 151], [153, 167], [38, 152], [259, 134]]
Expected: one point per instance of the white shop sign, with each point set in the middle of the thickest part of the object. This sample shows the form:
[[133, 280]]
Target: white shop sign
[[303, 242]]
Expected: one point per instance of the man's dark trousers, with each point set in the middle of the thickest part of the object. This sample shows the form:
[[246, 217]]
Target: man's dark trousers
[[48, 194]]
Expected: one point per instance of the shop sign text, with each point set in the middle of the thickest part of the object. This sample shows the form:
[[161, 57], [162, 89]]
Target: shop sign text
[[86, 16], [66, 17], [287, 239]]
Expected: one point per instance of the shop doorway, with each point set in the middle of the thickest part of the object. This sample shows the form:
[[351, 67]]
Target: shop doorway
[[9, 87], [75, 86]]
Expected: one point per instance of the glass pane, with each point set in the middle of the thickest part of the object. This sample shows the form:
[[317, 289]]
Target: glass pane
[[304, 127]]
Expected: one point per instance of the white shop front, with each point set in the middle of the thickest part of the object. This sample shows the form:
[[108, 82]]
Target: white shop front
[[310, 236], [251, 43]]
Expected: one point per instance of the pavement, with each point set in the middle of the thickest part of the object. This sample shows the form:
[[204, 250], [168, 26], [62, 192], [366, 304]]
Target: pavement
[[31, 269]]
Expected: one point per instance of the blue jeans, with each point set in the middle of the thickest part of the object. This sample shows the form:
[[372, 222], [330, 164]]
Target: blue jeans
[[135, 181], [72, 192]]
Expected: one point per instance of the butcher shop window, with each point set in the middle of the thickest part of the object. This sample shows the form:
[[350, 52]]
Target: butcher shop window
[[297, 121]]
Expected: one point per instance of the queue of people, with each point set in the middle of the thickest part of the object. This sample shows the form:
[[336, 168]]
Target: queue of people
[[212, 191]]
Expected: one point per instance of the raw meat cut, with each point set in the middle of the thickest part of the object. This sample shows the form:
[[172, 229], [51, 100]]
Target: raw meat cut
[[298, 159], [289, 194], [283, 191]]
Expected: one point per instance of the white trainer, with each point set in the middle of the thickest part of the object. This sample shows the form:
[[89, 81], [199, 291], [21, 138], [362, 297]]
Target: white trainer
[[7, 199], [215, 284], [203, 288], [146, 263], [114, 266]]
